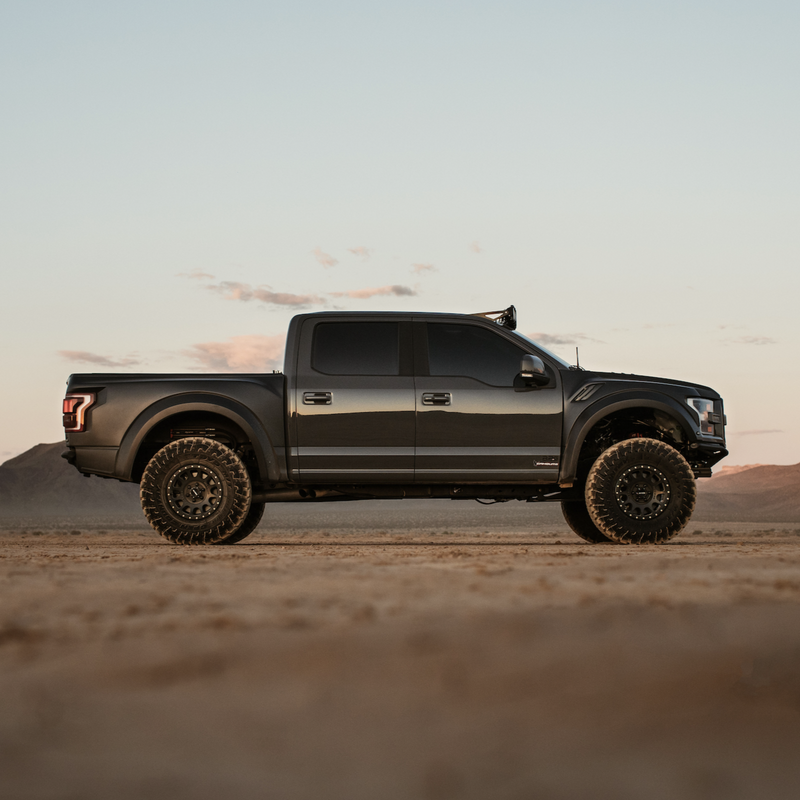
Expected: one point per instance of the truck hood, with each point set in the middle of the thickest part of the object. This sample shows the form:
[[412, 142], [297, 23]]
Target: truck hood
[[624, 378]]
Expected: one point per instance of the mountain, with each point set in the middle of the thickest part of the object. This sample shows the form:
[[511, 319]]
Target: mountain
[[759, 493], [40, 482]]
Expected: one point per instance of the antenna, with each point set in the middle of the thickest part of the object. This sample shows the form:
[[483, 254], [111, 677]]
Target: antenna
[[577, 358]]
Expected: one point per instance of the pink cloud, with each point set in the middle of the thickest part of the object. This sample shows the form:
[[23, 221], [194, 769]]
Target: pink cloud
[[82, 356], [555, 339], [418, 268], [475, 247], [232, 290], [362, 251], [758, 340], [196, 275], [252, 353], [325, 259], [365, 294]]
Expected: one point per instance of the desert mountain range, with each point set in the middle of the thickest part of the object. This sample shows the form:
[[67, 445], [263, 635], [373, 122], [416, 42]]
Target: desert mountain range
[[40, 482]]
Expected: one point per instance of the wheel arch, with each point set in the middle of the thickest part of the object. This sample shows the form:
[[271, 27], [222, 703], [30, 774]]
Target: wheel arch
[[602, 410], [210, 407]]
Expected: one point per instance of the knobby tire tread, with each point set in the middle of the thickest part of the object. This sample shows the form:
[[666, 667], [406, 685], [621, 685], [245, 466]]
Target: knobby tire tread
[[604, 510], [193, 448], [580, 522], [247, 527]]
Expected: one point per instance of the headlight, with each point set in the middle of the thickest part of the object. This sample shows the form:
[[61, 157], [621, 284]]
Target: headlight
[[705, 410]]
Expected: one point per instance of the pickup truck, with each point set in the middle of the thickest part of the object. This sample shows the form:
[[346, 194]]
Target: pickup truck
[[401, 405]]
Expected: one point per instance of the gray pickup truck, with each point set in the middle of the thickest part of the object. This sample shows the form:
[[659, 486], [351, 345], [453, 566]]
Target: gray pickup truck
[[394, 405]]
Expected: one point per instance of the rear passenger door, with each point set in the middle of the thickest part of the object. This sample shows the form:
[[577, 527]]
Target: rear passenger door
[[354, 401]]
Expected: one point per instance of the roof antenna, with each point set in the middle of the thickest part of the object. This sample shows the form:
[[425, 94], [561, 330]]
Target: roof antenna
[[577, 358]]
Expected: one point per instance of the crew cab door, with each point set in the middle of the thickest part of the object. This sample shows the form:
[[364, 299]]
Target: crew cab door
[[473, 423], [353, 405]]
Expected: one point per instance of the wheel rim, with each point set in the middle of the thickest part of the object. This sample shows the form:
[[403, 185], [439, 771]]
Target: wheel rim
[[642, 492], [195, 491]]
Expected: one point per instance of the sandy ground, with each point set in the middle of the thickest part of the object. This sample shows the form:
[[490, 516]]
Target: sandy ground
[[391, 650]]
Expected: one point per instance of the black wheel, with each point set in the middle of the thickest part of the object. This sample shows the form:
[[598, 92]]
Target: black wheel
[[640, 491], [196, 491], [577, 517], [248, 526]]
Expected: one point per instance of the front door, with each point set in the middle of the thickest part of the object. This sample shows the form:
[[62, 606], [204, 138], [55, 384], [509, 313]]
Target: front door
[[354, 402], [473, 422]]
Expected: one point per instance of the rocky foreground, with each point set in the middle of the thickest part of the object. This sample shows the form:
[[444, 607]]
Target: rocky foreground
[[406, 657]]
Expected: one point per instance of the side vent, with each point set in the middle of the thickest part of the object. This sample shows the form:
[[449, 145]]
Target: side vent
[[585, 392]]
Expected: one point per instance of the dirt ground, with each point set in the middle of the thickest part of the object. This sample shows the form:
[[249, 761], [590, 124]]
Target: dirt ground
[[382, 650]]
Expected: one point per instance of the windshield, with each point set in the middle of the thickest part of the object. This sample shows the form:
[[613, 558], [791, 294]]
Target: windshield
[[543, 349]]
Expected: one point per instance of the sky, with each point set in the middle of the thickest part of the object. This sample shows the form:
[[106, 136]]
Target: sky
[[178, 179]]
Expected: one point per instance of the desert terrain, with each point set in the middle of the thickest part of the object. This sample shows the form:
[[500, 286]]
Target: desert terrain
[[399, 649]]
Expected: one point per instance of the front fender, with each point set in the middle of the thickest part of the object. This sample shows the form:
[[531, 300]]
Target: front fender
[[267, 459], [603, 407]]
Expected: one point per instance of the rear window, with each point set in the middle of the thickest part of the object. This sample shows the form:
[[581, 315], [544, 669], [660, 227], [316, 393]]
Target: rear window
[[356, 348]]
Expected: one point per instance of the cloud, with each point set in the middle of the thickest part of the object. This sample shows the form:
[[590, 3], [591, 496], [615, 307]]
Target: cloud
[[82, 356], [418, 268], [649, 326], [555, 339], [323, 258], [365, 294], [244, 292], [252, 353], [756, 432], [196, 275], [232, 290], [364, 252], [475, 247], [753, 340]]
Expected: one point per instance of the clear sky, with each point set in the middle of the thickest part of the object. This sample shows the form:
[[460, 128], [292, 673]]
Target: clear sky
[[177, 179]]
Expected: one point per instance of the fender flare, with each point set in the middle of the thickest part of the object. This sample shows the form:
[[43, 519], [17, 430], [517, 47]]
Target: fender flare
[[240, 415], [590, 416]]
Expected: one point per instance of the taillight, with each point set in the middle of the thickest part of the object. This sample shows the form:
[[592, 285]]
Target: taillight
[[74, 409]]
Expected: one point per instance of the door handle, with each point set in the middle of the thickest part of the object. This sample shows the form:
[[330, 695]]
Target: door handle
[[317, 398], [436, 399]]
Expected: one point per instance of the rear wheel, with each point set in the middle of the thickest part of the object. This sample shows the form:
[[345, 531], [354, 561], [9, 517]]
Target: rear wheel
[[248, 526], [196, 491], [577, 517], [640, 491]]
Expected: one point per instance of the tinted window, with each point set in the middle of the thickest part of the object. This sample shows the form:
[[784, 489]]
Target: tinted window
[[473, 352], [356, 348]]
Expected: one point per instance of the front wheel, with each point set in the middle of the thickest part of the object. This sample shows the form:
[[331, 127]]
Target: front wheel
[[577, 517], [640, 491], [196, 491]]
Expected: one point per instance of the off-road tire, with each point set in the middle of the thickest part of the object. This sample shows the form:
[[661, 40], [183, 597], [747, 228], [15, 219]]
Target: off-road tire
[[248, 526], [577, 517], [640, 491], [196, 491]]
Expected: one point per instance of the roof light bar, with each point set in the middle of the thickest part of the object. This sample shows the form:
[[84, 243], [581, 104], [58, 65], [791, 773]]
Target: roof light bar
[[507, 317]]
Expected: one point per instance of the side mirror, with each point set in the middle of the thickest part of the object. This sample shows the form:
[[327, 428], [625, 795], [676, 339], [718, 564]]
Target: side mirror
[[532, 370]]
